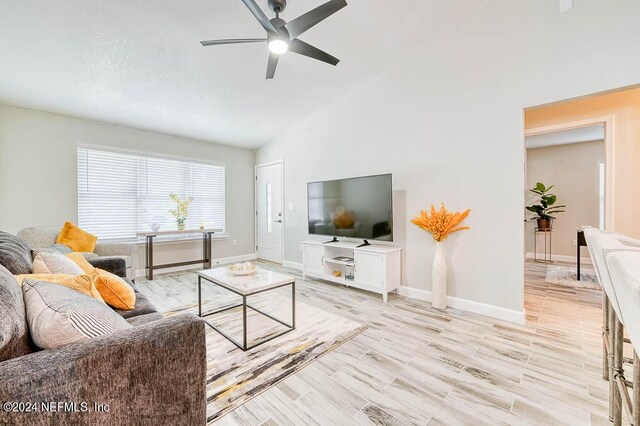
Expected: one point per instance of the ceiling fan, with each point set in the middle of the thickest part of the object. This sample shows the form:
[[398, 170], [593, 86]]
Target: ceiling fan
[[282, 36]]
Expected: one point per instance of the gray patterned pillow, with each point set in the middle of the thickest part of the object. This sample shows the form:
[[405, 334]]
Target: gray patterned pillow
[[58, 316], [15, 254]]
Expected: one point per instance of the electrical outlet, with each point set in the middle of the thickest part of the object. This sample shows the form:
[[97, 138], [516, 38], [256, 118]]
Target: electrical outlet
[[575, 243], [234, 243], [291, 207]]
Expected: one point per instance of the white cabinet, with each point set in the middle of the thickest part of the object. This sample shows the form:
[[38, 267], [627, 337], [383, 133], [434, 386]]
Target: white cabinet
[[373, 268], [313, 260], [368, 269]]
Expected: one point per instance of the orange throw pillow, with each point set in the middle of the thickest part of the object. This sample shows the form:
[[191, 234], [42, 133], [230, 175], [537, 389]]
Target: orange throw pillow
[[76, 239], [82, 283], [114, 290], [83, 263]]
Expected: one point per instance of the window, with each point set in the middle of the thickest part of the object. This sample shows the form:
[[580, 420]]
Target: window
[[601, 194], [120, 194]]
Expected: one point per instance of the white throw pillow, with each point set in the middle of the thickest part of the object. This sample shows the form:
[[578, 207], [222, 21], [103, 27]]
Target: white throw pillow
[[54, 263], [58, 316]]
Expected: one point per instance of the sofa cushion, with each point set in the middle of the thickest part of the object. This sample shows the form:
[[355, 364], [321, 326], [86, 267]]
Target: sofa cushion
[[55, 263], [143, 307], [15, 254], [76, 238], [58, 316], [82, 283], [14, 333]]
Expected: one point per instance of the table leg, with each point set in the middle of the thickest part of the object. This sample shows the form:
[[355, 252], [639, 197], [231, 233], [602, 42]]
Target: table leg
[[612, 380], [199, 296], [244, 323], [605, 336], [210, 249], [636, 390], [578, 259], [150, 257], [205, 257], [293, 305], [618, 335]]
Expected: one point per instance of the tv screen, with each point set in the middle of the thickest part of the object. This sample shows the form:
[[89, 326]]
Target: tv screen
[[358, 207]]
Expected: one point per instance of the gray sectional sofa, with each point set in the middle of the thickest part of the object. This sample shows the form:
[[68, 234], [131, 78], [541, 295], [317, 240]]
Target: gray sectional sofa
[[152, 373]]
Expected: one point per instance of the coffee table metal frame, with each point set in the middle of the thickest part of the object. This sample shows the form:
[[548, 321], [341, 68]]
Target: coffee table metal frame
[[245, 305]]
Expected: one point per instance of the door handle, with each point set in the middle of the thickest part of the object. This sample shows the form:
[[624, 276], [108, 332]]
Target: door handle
[[278, 221]]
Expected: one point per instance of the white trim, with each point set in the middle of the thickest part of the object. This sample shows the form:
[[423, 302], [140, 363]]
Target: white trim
[[282, 200], [467, 305], [293, 265], [561, 258], [216, 262]]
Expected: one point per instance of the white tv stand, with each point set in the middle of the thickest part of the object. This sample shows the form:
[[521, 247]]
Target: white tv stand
[[374, 268]]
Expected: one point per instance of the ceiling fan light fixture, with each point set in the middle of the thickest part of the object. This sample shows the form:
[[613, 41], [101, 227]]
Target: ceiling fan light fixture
[[278, 46]]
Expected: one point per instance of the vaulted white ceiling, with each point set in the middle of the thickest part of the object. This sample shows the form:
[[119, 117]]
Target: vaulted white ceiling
[[140, 64]]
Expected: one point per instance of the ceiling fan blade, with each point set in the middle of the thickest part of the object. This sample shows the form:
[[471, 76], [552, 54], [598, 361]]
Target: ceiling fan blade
[[303, 22], [260, 16], [300, 47], [272, 64], [231, 41]]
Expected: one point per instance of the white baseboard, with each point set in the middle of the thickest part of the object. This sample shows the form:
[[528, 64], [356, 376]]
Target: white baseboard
[[218, 261], [467, 305], [561, 258], [292, 265]]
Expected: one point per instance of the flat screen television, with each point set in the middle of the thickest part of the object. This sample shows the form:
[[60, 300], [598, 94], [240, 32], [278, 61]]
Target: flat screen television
[[359, 207]]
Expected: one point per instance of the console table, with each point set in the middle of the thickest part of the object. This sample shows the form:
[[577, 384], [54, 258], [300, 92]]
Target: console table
[[206, 248]]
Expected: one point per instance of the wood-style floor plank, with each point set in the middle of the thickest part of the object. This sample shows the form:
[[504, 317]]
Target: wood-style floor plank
[[417, 365]]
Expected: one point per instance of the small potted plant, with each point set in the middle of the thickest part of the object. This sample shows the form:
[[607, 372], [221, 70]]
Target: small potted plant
[[546, 207], [181, 211]]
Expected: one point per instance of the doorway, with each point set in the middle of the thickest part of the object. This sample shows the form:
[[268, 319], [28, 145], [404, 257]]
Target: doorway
[[269, 200]]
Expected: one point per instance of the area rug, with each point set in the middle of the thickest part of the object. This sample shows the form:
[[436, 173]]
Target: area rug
[[567, 277], [235, 376]]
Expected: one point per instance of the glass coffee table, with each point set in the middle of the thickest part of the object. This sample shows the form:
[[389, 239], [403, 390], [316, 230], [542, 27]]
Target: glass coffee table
[[247, 285]]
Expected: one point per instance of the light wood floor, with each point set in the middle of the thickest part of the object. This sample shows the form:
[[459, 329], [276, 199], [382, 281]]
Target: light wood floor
[[415, 365]]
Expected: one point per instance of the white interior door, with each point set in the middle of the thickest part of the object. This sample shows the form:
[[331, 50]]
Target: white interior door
[[269, 212]]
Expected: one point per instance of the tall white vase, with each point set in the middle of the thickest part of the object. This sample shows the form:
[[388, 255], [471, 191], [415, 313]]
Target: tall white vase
[[439, 278]]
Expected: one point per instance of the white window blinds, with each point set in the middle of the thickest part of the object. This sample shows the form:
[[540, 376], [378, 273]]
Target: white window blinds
[[120, 194]]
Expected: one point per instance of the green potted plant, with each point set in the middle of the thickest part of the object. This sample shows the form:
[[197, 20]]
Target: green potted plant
[[546, 207]]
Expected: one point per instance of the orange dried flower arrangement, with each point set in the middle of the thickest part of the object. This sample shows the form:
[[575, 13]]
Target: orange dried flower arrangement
[[441, 223]]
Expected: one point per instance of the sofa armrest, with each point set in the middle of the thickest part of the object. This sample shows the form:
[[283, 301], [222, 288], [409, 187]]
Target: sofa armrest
[[116, 249], [151, 374], [115, 265]]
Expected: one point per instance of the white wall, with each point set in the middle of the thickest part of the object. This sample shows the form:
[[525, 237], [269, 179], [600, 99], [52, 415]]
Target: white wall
[[38, 175], [574, 170], [447, 121]]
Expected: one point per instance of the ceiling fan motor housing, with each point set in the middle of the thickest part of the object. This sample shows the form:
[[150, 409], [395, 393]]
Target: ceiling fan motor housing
[[277, 6]]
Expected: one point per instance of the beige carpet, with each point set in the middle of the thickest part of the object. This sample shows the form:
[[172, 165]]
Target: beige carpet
[[567, 277], [235, 376]]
